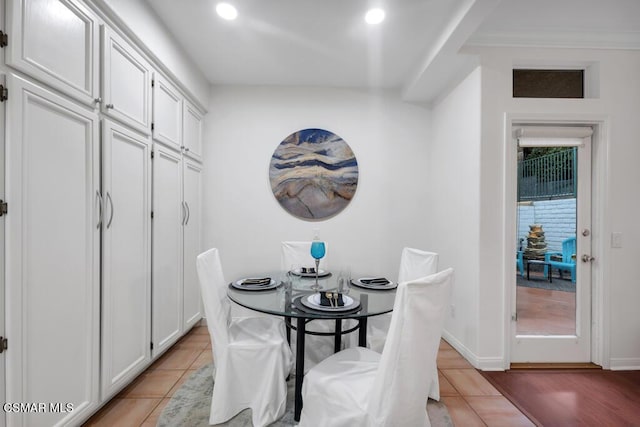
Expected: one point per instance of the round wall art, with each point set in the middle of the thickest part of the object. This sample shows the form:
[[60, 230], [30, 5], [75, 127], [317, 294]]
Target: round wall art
[[313, 174]]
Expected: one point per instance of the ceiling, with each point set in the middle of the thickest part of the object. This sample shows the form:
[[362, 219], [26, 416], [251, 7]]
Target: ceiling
[[415, 50]]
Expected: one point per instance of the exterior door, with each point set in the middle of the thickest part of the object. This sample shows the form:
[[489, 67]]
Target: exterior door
[[52, 248], [552, 302], [126, 260]]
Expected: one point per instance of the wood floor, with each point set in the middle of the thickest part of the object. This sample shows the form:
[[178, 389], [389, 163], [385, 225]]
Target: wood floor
[[567, 398]]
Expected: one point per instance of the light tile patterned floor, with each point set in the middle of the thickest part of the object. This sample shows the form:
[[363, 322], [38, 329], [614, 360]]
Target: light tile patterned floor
[[471, 400]]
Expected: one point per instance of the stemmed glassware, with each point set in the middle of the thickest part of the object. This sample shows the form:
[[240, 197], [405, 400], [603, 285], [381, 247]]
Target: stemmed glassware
[[344, 279], [318, 251]]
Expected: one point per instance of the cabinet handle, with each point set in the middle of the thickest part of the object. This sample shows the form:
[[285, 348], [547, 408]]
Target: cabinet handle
[[110, 204], [186, 149], [108, 106], [188, 213], [97, 100], [184, 213], [99, 200]]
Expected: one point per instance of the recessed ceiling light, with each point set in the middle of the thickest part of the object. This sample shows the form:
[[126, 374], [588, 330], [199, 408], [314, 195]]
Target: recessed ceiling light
[[226, 11], [374, 16]]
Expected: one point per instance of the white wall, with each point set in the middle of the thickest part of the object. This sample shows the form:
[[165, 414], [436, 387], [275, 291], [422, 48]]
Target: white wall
[[145, 24], [454, 202], [389, 211], [616, 157]]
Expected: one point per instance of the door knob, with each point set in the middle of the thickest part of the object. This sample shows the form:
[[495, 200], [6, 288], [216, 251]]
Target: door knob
[[587, 258]]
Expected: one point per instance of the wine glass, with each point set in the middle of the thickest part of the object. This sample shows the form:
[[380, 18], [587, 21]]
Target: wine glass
[[344, 279], [318, 251]]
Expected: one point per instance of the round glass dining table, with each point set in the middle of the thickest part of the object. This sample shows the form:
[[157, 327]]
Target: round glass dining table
[[285, 298]]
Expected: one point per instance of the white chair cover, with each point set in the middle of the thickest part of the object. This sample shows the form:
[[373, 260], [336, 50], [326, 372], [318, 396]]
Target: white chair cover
[[361, 388], [317, 348], [298, 254], [414, 263], [251, 355]]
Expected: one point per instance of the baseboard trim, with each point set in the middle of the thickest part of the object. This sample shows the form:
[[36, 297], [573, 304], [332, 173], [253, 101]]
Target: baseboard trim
[[624, 364], [531, 366], [482, 363], [460, 348]]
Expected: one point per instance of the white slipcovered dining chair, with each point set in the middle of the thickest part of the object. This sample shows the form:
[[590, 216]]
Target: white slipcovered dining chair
[[359, 387], [251, 356], [414, 263]]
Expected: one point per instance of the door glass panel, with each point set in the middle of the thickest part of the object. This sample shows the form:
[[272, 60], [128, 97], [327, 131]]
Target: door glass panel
[[546, 246]]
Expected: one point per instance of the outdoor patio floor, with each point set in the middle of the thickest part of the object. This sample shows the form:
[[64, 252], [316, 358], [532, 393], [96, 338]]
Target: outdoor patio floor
[[542, 308]]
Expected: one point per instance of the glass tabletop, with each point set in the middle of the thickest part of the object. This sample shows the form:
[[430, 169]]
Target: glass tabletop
[[285, 301]]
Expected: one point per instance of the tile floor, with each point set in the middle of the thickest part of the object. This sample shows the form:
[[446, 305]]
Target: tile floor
[[471, 400]]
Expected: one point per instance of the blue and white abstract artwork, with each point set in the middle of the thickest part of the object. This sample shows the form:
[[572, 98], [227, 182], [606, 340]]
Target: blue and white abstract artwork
[[313, 174]]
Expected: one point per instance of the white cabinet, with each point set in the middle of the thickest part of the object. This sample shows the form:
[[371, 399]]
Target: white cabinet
[[3, 28], [126, 250], [167, 113], [75, 258], [192, 131], [126, 82], [192, 307], [3, 332], [176, 244], [57, 43], [168, 219], [52, 264]]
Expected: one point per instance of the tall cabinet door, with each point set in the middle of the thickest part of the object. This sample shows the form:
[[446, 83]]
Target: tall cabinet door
[[169, 215], [126, 261], [192, 246], [56, 42], [52, 241], [2, 236]]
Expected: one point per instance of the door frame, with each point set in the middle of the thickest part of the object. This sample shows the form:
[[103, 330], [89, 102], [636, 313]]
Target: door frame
[[600, 312]]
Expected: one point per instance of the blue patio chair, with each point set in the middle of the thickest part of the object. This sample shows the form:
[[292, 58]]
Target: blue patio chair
[[567, 263], [520, 263]]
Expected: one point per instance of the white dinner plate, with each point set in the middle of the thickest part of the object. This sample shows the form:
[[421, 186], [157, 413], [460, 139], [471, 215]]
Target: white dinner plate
[[238, 284], [321, 273], [313, 301], [359, 282]]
